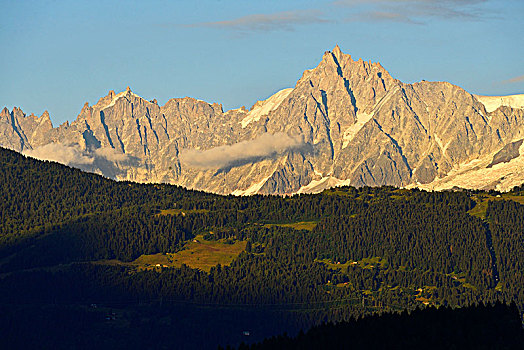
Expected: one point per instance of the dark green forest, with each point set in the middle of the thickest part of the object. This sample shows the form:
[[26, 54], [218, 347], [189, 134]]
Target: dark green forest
[[472, 327], [68, 241]]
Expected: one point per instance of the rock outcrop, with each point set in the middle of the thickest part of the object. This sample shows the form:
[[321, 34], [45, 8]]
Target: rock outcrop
[[344, 122]]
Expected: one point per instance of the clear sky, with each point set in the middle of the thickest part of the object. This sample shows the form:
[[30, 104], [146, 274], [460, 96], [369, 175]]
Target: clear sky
[[56, 55]]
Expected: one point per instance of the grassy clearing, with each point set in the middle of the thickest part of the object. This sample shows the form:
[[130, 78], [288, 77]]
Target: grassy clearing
[[335, 192], [198, 254], [339, 192], [369, 263], [300, 225], [515, 198], [335, 265], [203, 255], [423, 294], [365, 263], [479, 210], [182, 211], [482, 201]]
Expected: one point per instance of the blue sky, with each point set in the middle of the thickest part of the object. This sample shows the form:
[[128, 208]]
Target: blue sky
[[59, 54]]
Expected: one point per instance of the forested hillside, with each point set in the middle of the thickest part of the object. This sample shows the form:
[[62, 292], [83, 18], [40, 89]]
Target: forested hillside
[[474, 327], [203, 269]]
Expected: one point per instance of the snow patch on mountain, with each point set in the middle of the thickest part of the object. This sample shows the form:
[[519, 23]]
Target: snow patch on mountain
[[493, 102], [262, 108], [253, 189], [316, 186], [475, 174], [351, 132]]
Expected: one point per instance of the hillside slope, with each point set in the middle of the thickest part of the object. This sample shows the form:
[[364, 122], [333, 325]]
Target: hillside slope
[[147, 264]]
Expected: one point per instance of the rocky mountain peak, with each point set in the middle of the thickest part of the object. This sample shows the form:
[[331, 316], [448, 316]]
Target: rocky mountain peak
[[44, 123], [337, 52], [85, 108], [344, 122], [45, 115]]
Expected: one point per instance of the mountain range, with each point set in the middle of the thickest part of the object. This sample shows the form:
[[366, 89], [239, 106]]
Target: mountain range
[[346, 122]]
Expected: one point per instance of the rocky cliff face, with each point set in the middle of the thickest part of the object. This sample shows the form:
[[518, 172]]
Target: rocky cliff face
[[344, 122]]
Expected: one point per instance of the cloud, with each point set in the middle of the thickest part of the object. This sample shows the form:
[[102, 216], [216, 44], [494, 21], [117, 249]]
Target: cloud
[[400, 11], [106, 161], [514, 80], [380, 16], [111, 154], [56, 152], [412, 11], [73, 155], [285, 20], [263, 147], [422, 3]]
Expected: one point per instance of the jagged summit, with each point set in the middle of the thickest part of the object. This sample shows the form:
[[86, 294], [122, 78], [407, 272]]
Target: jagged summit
[[345, 122], [113, 98], [337, 52]]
